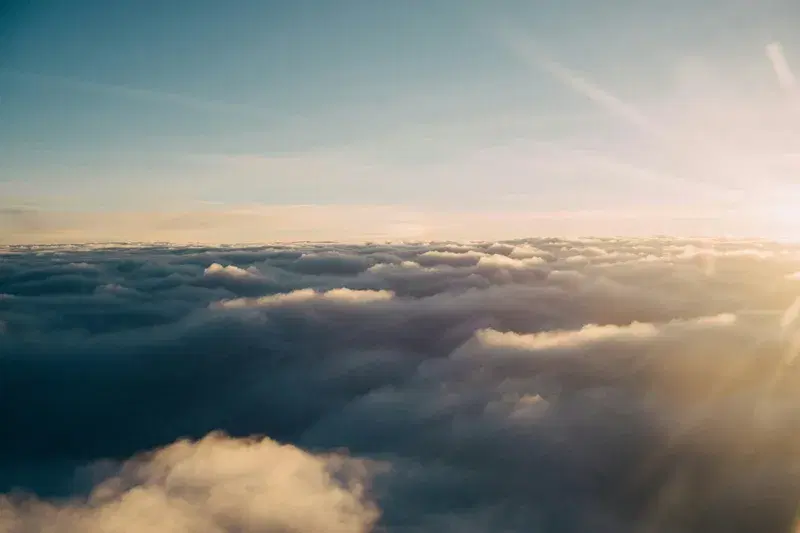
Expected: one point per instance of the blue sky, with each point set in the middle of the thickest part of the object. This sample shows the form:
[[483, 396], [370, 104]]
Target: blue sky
[[415, 116]]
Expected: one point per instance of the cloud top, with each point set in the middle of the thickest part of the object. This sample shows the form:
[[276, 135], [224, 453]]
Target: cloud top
[[620, 385], [212, 485]]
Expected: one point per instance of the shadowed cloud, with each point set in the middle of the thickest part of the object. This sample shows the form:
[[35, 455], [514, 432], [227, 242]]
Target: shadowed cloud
[[618, 385]]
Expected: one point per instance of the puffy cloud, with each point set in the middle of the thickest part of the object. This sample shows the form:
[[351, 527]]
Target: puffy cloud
[[460, 258], [558, 339], [525, 252], [502, 261], [215, 269], [213, 485], [402, 266], [305, 295], [564, 276], [531, 385]]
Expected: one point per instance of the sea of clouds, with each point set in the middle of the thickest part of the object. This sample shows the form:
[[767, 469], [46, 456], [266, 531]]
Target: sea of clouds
[[539, 385]]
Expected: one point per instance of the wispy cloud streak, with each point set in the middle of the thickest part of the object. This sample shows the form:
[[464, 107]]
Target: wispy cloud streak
[[783, 71], [700, 157], [183, 100], [527, 50]]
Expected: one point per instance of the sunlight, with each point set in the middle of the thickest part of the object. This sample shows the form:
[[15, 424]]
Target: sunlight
[[722, 135], [780, 213]]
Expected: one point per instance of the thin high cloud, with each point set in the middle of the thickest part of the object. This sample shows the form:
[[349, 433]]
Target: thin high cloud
[[528, 50], [699, 159], [780, 65], [134, 93], [533, 55]]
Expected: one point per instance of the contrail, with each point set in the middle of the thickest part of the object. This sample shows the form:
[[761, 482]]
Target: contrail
[[781, 67], [527, 50], [135, 93]]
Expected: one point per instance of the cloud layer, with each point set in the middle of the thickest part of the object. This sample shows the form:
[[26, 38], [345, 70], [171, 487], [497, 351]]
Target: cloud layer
[[533, 385]]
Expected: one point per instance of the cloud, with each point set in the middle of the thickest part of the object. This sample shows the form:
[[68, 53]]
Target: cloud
[[558, 339], [502, 261], [781, 67], [536, 384], [460, 258], [212, 485], [709, 131], [147, 95], [215, 269], [306, 295], [530, 52]]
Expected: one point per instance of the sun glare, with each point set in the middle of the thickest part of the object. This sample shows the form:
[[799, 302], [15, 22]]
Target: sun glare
[[780, 214]]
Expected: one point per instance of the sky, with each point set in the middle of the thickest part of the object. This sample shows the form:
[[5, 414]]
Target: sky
[[262, 120]]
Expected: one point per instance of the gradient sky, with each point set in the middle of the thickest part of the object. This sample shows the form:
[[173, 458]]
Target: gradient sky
[[259, 120]]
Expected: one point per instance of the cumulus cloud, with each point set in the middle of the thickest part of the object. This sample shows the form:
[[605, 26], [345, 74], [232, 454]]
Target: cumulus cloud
[[305, 295], [213, 485], [215, 269], [556, 339], [502, 261], [446, 257], [532, 385], [525, 252]]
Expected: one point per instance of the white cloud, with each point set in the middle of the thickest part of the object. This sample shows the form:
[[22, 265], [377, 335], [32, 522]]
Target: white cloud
[[345, 296], [212, 486], [530, 52], [402, 266], [782, 69], [565, 276], [232, 271], [564, 339], [460, 258], [502, 261], [490, 396], [526, 252]]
